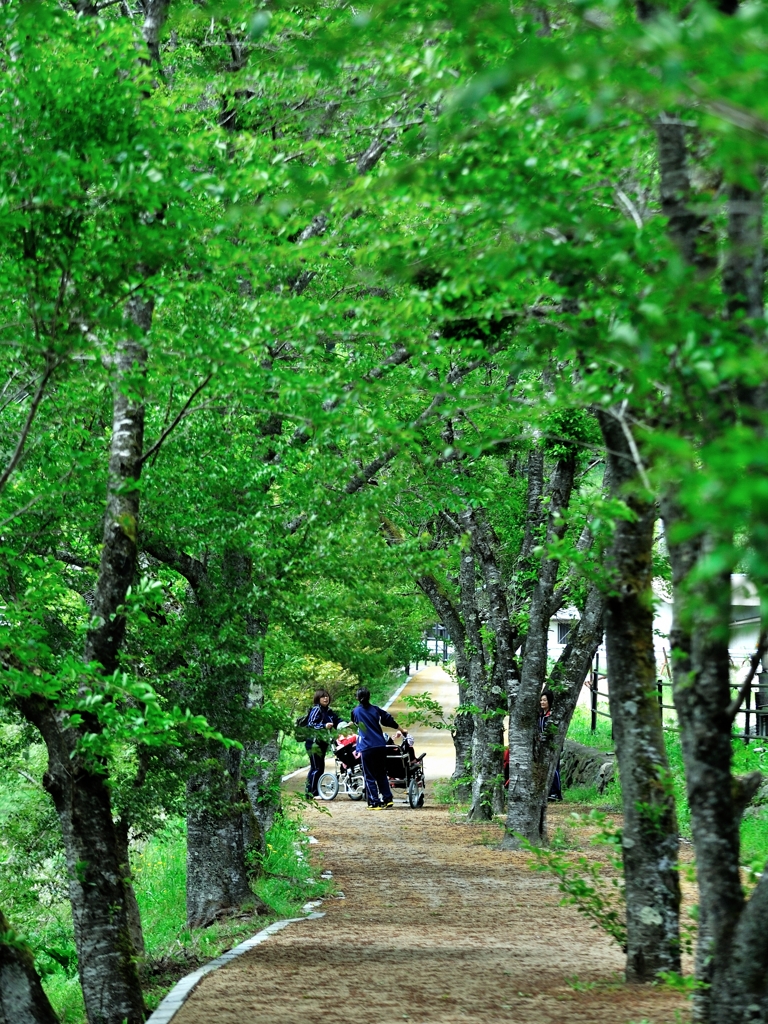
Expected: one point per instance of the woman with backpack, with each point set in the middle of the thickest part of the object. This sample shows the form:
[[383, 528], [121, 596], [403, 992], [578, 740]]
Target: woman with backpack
[[321, 717], [372, 747]]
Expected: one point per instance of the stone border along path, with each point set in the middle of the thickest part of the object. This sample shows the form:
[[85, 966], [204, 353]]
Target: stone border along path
[[438, 927], [183, 989]]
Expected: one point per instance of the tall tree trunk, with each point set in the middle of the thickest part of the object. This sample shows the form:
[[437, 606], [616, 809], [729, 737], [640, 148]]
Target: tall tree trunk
[[487, 756], [97, 883], [743, 270], [230, 804], [155, 15], [99, 877], [732, 947], [536, 757], [217, 876], [131, 904], [528, 769], [649, 834], [461, 733], [121, 523], [22, 998], [262, 752], [217, 817], [731, 950], [487, 720], [502, 675]]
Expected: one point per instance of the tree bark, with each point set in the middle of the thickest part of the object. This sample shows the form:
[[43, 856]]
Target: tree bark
[[690, 230], [262, 752], [487, 723], [119, 548], [463, 728], [155, 15], [649, 834], [495, 669], [743, 270], [217, 875], [97, 883], [528, 769], [131, 904], [22, 998], [232, 802], [732, 980], [99, 877], [527, 804], [731, 950], [534, 518]]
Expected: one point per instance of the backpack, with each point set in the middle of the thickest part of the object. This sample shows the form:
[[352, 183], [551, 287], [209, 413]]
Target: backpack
[[303, 721]]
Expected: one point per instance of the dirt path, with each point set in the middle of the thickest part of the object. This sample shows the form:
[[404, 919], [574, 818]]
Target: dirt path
[[437, 926]]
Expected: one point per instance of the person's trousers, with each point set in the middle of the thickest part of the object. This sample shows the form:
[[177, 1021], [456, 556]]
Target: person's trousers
[[317, 752], [375, 773], [556, 789]]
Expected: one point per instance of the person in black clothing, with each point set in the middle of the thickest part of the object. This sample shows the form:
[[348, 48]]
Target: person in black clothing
[[545, 710], [321, 718]]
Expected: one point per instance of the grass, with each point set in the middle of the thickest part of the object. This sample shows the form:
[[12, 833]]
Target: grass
[[746, 758], [66, 997], [286, 882], [579, 729], [444, 792]]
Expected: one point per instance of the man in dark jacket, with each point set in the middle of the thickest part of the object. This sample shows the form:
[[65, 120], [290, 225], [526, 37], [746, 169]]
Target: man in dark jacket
[[372, 747]]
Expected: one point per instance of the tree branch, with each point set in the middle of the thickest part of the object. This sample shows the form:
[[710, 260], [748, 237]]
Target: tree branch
[[369, 472], [51, 366], [156, 446], [192, 569]]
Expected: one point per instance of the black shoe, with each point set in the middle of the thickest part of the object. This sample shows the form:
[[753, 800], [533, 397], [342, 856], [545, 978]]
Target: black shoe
[[385, 807]]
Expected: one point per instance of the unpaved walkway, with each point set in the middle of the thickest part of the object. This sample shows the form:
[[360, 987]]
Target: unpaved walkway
[[437, 927]]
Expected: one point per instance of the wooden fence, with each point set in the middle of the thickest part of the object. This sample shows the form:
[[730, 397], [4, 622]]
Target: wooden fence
[[750, 723]]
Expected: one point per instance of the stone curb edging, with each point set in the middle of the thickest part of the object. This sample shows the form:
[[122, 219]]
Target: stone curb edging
[[397, 693], [183, 989]]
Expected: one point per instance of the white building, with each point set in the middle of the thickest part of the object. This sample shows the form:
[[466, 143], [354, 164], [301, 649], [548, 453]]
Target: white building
[[745, 629]]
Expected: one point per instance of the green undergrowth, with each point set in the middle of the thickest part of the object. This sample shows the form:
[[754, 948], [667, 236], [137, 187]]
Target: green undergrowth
[[286, 882], [579, 730], [746, 758], [444, 793]]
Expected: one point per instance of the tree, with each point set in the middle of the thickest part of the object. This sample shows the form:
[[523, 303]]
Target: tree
[[21, 995], [649, 833]]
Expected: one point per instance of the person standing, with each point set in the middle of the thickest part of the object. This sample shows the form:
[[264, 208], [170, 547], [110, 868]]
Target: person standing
[[321, 718], [545, 710], [372, 747]]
